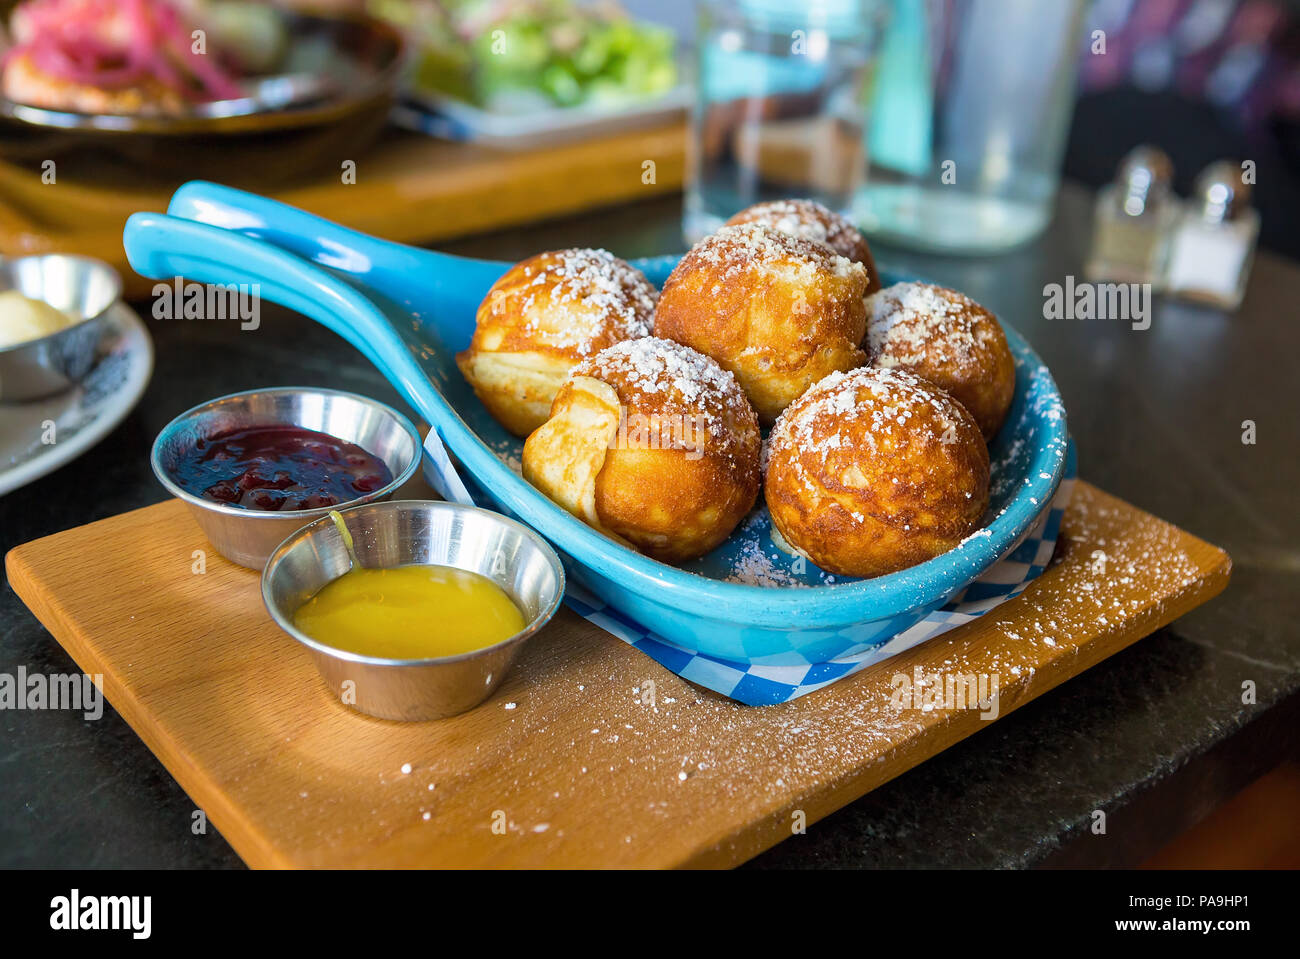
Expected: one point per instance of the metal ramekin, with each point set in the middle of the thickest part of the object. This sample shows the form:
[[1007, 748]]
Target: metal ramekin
[[409, 532], [77, 285], [249, 536]]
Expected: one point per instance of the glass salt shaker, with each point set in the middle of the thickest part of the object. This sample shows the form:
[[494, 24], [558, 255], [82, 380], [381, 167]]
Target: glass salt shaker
[[1214, 244], [1135, 217]]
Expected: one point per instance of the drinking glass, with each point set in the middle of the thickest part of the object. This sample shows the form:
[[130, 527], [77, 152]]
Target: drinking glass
[[968, 121], [782, 91]]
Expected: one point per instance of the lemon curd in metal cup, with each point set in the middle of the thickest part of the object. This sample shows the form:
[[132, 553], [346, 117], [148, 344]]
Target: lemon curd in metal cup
[[405, 539], [410, 612]]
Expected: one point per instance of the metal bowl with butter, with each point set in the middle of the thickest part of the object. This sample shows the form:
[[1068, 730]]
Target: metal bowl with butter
[[49, 345]]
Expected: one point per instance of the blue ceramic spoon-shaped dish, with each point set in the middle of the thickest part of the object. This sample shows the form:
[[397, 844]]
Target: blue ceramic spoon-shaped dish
[[409, 311]]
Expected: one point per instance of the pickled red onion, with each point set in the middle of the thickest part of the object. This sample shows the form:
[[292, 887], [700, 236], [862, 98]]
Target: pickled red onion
[[116, 44]]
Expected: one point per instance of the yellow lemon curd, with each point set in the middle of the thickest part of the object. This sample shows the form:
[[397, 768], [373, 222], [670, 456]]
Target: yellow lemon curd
[[410, 612]]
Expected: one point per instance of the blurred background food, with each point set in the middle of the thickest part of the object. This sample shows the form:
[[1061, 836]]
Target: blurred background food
[[943, 124], [512, 56], [124, 97], [136, 56]]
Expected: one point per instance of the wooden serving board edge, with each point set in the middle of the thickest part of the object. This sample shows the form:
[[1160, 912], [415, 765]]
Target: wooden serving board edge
[[254, 848], [747, 843]]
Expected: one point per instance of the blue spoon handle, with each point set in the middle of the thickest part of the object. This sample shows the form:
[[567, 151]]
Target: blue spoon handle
[[162, 247], [457, 282]]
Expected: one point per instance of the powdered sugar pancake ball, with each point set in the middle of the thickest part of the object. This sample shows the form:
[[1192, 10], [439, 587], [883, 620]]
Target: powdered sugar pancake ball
[[653, 444], [777, 310], [544, 315], [949, 339], [813, 221], [872, 471]]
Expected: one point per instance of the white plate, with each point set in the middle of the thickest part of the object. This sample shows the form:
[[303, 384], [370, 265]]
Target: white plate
[[82, 416], [451, 119]]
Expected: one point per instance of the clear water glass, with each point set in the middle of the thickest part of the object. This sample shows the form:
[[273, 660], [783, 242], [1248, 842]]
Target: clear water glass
[[782, 92], [968, 122]]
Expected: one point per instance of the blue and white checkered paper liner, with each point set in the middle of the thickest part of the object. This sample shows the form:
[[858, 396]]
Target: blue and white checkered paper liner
[[761, 685]]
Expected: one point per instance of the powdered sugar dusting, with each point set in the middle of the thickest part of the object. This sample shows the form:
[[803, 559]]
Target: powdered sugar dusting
[[908, 323], [733, 250], [508, 451], [755, 561], [753, 566], [612, 300], [681, 376], [807, 219], [864, 405]]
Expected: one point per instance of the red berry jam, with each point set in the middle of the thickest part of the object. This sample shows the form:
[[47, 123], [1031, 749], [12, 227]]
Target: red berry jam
[[279, 468]]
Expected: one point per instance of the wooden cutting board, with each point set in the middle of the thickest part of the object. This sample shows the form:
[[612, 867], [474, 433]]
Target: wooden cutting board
[[408, 188], [579, 759]]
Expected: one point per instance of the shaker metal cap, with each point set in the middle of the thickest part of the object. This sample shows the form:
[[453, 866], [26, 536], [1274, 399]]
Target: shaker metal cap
[[1145, 178], [1221, 193]]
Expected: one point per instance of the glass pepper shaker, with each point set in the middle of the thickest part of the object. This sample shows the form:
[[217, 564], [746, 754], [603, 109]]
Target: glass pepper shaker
[[1214, 244], [1134, 218]]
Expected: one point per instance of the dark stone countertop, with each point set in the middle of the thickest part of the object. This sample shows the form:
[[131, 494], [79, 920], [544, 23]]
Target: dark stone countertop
[[1155, 736]]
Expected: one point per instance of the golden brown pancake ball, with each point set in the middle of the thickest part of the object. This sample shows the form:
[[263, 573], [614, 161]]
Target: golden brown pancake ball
[[949, 339], [652, 443], [813, 221], [777, 310], [872, 471], [544, 315]]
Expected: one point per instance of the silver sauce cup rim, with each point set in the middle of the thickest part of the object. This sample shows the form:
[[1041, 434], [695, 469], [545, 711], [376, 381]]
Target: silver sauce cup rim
[[114, 277], [543, 616], [257, 514]]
